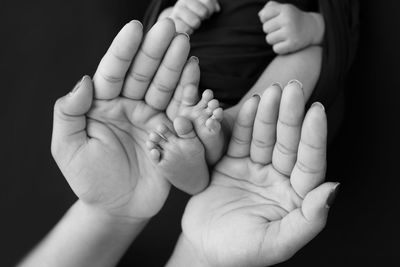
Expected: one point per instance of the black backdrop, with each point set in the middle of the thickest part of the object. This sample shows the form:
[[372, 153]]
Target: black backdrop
[[46, 46]]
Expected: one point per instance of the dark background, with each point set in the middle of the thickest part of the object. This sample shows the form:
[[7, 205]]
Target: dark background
[[46, 46]]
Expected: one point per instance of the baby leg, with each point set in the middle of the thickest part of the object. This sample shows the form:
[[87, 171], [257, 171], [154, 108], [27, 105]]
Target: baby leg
[[180, 158]]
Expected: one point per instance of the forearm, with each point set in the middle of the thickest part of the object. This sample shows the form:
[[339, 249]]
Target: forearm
[[304, 65], [185, 255], [85, 236]]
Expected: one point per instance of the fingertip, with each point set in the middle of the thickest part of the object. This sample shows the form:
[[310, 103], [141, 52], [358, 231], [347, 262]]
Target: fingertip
[[316, 204], [79, 100], [166, 26]]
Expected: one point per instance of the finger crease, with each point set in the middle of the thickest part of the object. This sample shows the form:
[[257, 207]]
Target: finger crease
[[306, 169], [110, 78], [285, 150], [154, 58], [291, 125], [142, 78]]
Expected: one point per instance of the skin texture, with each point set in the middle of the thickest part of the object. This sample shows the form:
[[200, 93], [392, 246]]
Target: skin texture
[[267, 198], [289, 29]]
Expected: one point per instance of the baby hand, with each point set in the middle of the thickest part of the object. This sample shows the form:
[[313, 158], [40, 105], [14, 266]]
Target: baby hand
[[188, 14], [290, 29]]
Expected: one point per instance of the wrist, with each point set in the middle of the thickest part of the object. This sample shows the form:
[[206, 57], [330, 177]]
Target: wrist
[[319, 28], [107, 220], [185, 254]]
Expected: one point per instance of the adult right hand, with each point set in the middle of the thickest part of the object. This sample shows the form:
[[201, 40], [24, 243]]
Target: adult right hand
[[267, 197]]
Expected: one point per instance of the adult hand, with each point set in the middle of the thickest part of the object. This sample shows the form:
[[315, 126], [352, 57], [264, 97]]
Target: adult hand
[[267, 198], [100, 128]]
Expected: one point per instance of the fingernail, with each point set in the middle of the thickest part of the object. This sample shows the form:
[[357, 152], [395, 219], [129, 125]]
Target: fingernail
[[256, 96], [319, 104], [297, 82], [332, 195], [137, 22], [278, 84], [185, 34], [78, 85], [194, 58]]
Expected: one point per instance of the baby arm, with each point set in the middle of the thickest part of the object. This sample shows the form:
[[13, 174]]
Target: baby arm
[[290, 29], [188, 14]]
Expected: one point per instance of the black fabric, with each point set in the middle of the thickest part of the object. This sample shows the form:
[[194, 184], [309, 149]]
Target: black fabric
[[231, 46], [233, 52]]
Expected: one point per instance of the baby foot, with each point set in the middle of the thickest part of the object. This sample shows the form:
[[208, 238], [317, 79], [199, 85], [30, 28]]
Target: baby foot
[[180, 158], [206, 116]]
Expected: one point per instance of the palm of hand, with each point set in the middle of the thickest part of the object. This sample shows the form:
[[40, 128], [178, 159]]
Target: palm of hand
[[266, 199], [253, 196], [113, 168]]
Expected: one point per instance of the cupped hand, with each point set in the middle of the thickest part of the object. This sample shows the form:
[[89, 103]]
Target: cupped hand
[[101, 127], [267, 198]]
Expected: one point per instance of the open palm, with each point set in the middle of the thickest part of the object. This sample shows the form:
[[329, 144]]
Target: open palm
[[101, 128], [265, 200]]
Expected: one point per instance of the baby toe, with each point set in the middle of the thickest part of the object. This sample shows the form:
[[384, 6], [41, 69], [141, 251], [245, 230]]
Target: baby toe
[[207, 96], [155, 155], [218, 114], [184, 128], [213, 104], [213, 125]]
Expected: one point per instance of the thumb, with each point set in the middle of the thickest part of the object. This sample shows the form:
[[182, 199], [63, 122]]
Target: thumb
[[300, 226], [69, 124]]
